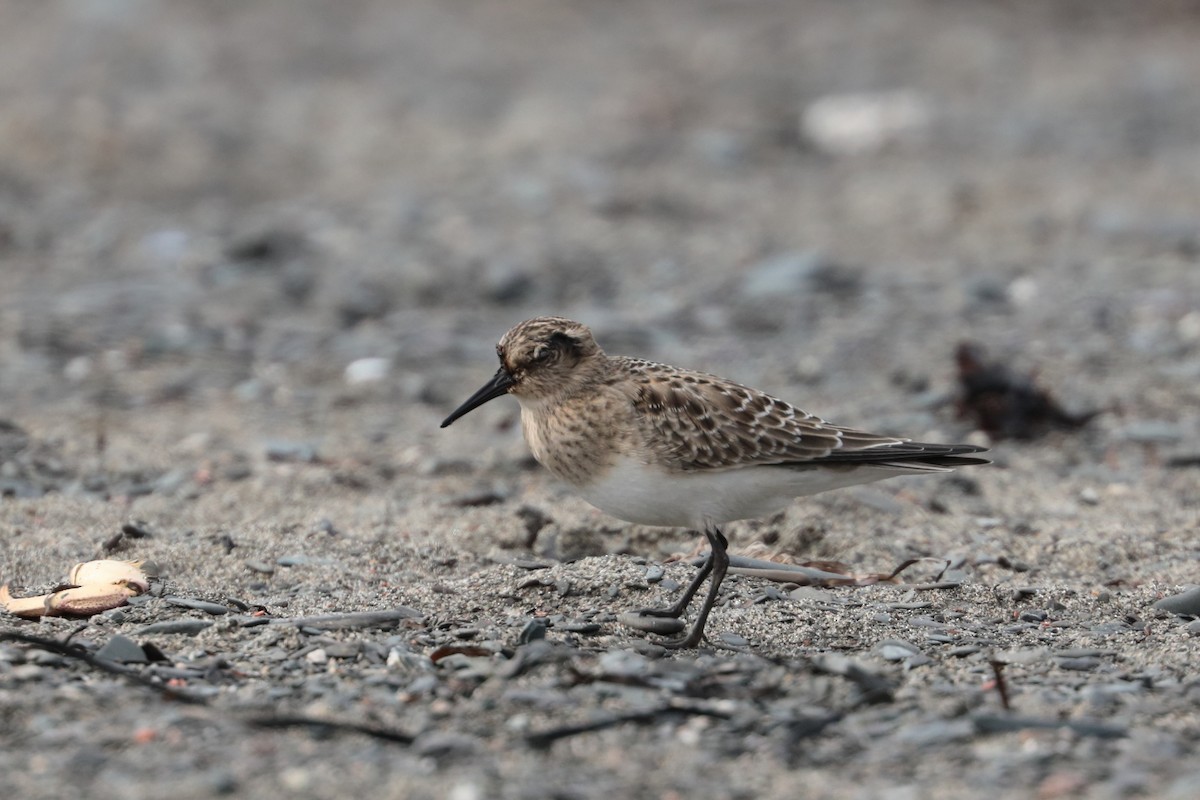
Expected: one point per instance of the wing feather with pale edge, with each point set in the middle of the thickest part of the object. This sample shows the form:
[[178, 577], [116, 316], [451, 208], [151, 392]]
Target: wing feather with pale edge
[[696, 421]]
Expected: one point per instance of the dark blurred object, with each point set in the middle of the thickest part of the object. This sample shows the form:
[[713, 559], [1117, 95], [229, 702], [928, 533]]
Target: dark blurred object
[[1006, 405]]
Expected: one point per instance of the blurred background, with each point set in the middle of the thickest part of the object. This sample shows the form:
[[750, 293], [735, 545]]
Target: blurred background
[[253, 253], [251, 215]]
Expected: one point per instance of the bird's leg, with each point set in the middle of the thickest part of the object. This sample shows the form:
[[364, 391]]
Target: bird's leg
[[676, 610], [718, 564]]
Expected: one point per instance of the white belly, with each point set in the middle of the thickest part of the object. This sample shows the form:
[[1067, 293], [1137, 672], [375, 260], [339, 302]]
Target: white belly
[[638, 493]]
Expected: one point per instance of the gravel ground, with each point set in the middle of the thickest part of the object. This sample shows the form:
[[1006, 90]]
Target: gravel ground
[[253, 253]]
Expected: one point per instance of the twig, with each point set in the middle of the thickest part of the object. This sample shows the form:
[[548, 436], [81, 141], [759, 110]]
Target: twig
[[545, 738], [81, 653], [301, 721], [1001, 684]]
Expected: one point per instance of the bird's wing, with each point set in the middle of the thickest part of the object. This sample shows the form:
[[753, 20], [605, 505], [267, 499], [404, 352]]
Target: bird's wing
[[696, 422]]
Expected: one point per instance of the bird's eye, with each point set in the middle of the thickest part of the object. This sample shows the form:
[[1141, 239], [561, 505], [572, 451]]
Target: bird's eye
[[541, 355]]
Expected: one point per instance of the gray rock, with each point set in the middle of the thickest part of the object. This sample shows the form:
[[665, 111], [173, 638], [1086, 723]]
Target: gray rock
[[795, 271], [897, 649], [189, 627], [1152, 431], [122, 650], [623, 664], [663, 626], [446, 744], [938, 732], [216, 609], [532, 630], [302, 452], [1186, 604]]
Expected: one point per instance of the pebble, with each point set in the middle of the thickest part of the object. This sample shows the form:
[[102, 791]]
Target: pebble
[[446, 744], [533, 630], [505, 282], [896, 649], [654, 573], [963, 651], [783, 274], [861, 123], [342, 649], [123, 650], [1152, 431], [27, 672], [298, 452], [189, 627], [938, 732], [366, 370], [216, 609], [623, 664], [11, 655], [1186, 604], [663, 626]]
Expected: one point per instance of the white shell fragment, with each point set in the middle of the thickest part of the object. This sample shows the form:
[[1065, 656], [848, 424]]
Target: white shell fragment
[[861, 124], [108, 571], [98, 586]]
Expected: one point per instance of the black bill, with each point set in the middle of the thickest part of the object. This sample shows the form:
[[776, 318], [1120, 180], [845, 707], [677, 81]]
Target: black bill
[[500, 383]]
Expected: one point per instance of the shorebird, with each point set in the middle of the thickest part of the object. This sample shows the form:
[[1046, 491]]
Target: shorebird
[[659, 445]]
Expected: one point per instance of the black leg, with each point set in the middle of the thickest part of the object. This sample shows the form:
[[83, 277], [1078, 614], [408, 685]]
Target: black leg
[[676, 610], [718, 565]]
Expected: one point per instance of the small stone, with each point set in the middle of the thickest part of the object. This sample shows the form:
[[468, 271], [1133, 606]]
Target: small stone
[[963, 651], [859, 123], [505, 282], [533, 629], [734, 640], [342, 649], [187, 627], [318, 656], [789, 273], [896, 649], [934, 733], [298, 452], [366, 370], [1186, 604], [446, 744], [122, 650], [216, 609], [623, 664], [811, 594], [654, 573], [261, 567], [663, 626], [1079, 664], [1152, 431]]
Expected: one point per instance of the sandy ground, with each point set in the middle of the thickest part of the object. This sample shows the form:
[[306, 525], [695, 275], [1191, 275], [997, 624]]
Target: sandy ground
[[209, 210]]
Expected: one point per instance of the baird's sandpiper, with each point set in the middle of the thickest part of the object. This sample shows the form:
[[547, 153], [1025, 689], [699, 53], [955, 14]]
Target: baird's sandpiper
[[659, 445]]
